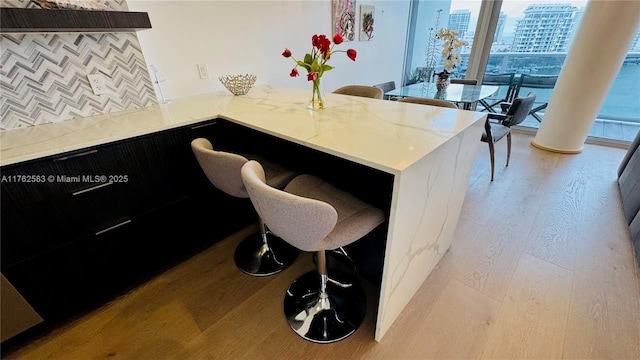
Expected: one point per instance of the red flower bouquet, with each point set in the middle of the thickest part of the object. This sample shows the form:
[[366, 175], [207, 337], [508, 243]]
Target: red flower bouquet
[[316, 64]]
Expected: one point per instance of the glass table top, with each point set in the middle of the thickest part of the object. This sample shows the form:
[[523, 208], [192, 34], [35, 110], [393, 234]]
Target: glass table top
[[454, 92]]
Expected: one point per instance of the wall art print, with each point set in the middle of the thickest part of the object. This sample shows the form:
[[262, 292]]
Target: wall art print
[[367, 17], [344, 18]]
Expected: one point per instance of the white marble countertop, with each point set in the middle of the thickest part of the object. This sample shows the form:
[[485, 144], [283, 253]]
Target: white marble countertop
[[382, 134]]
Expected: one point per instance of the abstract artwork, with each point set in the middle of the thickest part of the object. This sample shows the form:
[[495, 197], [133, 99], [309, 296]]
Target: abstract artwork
[[344, 18], [367, 16]]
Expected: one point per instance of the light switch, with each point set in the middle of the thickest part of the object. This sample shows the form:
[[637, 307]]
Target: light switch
[[203, 71]]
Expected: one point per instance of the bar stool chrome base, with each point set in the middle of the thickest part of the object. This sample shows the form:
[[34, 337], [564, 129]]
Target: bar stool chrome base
[[342, 259], [259, 257], [324, 318]]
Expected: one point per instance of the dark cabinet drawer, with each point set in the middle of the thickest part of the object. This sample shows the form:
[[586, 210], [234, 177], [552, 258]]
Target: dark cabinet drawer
[[39, 227], [31, 230], [71, 277], [64, 174], [72, 172], [97, 208]]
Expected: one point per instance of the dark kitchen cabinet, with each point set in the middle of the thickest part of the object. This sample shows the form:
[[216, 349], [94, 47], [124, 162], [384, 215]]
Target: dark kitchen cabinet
[[81, 227], [49, 202]]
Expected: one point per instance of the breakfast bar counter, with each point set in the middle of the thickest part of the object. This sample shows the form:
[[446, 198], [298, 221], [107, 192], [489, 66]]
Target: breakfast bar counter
[[428, 152]]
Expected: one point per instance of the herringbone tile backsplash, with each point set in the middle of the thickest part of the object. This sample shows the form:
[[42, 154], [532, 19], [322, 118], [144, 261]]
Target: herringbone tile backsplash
[[43, 77]]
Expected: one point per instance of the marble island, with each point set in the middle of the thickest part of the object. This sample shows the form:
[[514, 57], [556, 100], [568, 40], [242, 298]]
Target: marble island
[[350, 127], [427, 151]]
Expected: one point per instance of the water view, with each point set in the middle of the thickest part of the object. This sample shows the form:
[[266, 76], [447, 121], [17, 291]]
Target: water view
[[622, 103]]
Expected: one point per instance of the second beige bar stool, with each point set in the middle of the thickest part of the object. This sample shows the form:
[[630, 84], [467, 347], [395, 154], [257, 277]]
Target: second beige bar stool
[[313, 215], [260, 254]]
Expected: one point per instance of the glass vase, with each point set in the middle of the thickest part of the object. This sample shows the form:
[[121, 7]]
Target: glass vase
[[317, 95], [442, 82], [440, 94]]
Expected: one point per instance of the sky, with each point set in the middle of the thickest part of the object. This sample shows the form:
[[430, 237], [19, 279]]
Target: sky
[[514, 9]]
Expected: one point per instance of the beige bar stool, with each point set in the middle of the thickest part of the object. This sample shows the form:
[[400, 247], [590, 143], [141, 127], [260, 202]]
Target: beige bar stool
[[313, 215], [260, 254]]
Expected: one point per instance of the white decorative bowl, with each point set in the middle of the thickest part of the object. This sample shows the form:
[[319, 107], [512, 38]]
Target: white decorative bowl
[[238, 84]]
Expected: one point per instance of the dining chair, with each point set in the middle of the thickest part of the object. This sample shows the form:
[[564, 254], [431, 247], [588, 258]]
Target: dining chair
[[464, 81], [386, 87], [427, 101], [502, 80], [502, 123], [473, 82], [360, 90], [527, 82]]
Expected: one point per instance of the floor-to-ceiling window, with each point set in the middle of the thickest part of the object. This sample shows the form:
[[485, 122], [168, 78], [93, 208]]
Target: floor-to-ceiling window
[[530, 39], [619, 116], [534, 38], [423, 50]]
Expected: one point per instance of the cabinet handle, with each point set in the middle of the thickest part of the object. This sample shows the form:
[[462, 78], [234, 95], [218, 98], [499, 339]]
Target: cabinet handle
[[92, 188], [85, 153], [113, 227], [195, 127]]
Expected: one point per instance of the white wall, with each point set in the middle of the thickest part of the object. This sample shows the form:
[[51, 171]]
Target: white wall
[[237, 37]]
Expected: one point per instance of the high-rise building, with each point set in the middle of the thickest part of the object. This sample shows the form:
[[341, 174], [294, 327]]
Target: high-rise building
[[545, 28], [497, 36], [635, 44], [459, 21]]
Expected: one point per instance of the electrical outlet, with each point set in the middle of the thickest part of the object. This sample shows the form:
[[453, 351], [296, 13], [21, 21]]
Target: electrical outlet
[[203, 71], [97, 84]]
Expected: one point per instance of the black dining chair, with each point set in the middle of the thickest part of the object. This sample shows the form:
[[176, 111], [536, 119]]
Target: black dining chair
[[507, 92], [528, 82], [464, 81], [498, 126]]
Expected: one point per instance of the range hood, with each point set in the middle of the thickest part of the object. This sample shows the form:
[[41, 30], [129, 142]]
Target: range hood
[[20, 20]]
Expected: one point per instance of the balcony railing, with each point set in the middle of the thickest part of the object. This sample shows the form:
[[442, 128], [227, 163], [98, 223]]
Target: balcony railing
[[619, 116]]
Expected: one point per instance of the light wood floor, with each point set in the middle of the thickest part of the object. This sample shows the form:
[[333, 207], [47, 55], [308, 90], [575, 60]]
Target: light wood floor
[[541, 268]]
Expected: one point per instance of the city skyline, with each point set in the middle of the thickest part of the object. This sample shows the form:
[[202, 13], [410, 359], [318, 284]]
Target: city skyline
[[514, 9], [536, 49]]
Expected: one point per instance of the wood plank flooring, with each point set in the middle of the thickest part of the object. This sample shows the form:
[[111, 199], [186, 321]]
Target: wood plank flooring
[[542, 267]]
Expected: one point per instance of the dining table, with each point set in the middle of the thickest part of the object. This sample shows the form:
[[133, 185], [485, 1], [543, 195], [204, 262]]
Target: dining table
[[466, 95]]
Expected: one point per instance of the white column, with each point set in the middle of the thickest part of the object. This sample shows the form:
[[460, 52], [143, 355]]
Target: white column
[[598, 50]]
